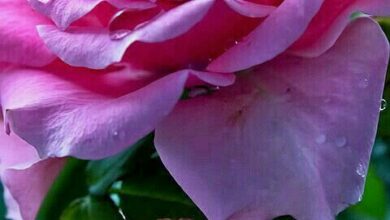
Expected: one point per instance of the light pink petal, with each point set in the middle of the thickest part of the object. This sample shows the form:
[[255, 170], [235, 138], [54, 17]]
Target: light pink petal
[[20, 42], [26, 189], [331, 20], [63, 116], [15, 153], [25, 179], [64, 12], [275, 34], [102, 50], [13, 211], [292, 136]]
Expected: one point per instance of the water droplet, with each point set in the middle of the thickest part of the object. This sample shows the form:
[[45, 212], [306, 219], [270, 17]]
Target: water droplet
[[383, 105], [115, 133], [235, 42], [363, 83], [361, 171], [210, 59], [119, 34], [321, 139], [341, 141]]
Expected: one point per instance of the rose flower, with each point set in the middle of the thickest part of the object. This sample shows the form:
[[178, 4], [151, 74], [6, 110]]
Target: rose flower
[[280, 119]]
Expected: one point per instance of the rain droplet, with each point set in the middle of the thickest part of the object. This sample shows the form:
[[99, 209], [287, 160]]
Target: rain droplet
[[341, 141], [115, 133], [321, 139], [383, 105], [360, 197], [119, 34], [361, 171], [363, 83], [235, 42]]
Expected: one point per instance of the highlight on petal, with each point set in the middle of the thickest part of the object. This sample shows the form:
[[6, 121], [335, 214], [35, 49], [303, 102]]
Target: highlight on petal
[[25, 189], [272, 37], [20, 42], [250, 9], [330, 21], [103, 49], [62, 116], [64, 12], [292, 128]]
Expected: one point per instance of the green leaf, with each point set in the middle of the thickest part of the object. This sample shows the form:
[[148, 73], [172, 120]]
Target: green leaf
[[102, 173], [151, 193], [91, 208], [2, 204], [155, 197], [70, 184], [384, 120]]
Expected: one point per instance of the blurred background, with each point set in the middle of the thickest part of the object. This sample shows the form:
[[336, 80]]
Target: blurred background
[[135, 185]]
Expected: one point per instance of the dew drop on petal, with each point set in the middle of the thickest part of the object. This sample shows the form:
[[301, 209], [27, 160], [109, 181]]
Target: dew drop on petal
[[321, 139], [361, 171], [341, 141], [363, 83], [383, 105]]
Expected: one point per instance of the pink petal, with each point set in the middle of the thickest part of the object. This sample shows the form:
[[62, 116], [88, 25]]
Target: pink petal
[[292, 136], [26, 189], [102, 50], [15, 153], [161, 48], [331, 20], [26, 179], [20, 42], [13, 211], [64, 12], [80, 116], [250, 9], [275, 34]]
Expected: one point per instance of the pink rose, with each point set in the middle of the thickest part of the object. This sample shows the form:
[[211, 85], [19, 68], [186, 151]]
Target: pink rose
[[288, 129]]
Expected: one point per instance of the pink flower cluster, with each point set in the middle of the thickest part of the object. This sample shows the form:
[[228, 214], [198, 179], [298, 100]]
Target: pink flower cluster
[[284, 103]]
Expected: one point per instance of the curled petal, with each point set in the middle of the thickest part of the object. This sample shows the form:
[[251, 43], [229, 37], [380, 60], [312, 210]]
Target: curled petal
[[330, 21], [15, 153], [62, 116], [272, 37], [25, 189], [103, 49], [292, 128], [64, 12], [20, 42], [26, 179]]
